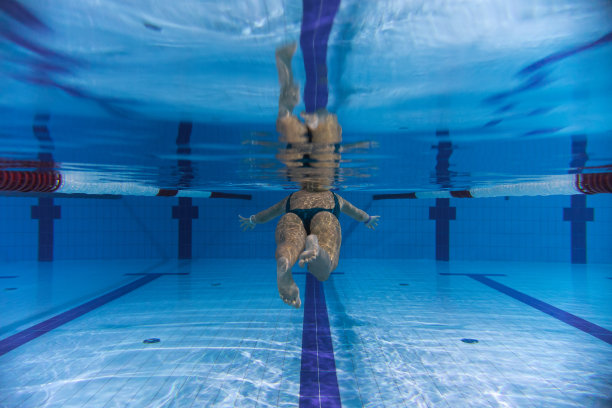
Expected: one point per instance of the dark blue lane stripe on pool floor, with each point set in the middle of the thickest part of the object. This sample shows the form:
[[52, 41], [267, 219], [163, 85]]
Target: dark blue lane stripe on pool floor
[[568, 318], [318, 380], [31, 333]]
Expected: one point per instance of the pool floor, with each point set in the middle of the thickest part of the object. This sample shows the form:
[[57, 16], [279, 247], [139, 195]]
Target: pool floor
[[378, 333]]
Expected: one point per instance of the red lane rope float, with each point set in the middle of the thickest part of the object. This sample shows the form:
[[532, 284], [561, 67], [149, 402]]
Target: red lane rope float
[[25, 164], [30, 181], [593, 183]]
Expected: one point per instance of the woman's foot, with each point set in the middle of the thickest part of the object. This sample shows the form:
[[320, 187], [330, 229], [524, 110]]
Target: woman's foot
[[311, 250], [316, 258], [287, 288]]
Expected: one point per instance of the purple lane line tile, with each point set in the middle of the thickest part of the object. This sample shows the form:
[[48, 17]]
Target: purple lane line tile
[[310, 362], [318, 379], [568, 318], [310, 402], [309, 342], [330, 401], [31, 333], [324, 344], [326, 362], [328, 384], [309, 384]]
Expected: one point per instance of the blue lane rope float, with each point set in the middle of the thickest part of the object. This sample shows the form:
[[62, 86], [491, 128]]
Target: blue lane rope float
[[151, 340], [469, 341]]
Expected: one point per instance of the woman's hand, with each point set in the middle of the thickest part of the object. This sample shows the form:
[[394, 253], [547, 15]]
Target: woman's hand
[[372, 221], [247, 223]]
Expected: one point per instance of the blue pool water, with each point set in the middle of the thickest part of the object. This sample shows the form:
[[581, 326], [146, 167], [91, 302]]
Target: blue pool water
[[133, 134]]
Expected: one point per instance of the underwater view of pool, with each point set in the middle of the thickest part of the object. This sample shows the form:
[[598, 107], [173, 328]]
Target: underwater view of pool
[[463, 257]]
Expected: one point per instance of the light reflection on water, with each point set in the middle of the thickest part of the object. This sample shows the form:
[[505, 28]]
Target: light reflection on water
[[114, 80]]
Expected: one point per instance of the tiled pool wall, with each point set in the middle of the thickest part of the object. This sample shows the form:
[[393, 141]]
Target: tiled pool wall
[[547, 229], [500, 229]]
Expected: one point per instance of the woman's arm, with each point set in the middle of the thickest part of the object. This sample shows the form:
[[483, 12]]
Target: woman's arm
[[263, 216], [270, 213], [357, 214], [352, 211]]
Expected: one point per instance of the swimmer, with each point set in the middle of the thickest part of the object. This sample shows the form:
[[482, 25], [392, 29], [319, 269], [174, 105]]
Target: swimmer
[[308, 231]]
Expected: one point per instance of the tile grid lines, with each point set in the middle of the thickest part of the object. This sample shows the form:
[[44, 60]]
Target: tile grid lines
[[282, 368], [374, 376], [416, 357], [507, 380], [246, 369], [562, 394], [171, 374], [63, 363], [140, 361], [234, 354], [145, 363], [8, 395], [218, 351], [244, 377], [31, 333], [254, 349], [85, 383], [268, 353], [31, 399], [352, 359], [197, 364], [455, 363], [66, 387], [149, 355], [120, 358], [568, 318], [393, 373], [427, 402], [194, 375], [419, 395], [385, 359]]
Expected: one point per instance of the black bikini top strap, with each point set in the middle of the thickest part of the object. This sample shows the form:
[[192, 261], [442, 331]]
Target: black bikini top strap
[[288, 203]]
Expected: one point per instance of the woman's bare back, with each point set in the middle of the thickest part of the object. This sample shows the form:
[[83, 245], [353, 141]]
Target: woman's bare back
[[309, 199]]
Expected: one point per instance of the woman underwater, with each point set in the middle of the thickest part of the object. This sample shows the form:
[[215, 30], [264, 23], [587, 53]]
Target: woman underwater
[[308, 230]]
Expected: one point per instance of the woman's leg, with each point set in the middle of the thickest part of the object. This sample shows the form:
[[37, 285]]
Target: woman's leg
[[290, 241], [289, 92], [289, 127], [322, 245]]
